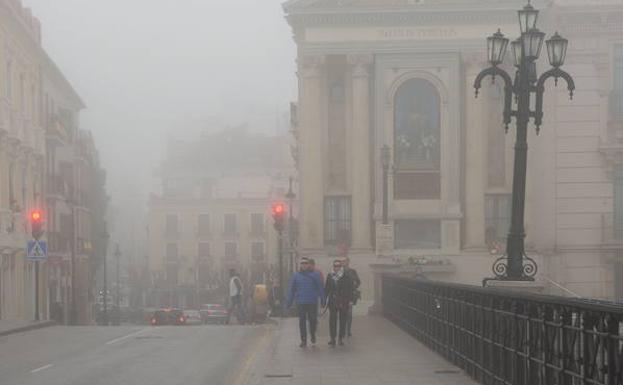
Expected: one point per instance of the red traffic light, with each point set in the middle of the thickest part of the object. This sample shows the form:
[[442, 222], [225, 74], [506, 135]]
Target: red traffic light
[[36, 216], [278, 209]]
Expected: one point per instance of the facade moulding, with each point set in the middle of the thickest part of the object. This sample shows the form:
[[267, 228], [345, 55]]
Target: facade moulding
[[396, 18]]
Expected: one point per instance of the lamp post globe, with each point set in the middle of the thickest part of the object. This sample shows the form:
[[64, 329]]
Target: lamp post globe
[[557, 50], [496, 48], [528, 17]]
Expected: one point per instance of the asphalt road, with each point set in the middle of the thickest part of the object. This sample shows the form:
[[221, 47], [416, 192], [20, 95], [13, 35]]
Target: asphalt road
[[128, 355]]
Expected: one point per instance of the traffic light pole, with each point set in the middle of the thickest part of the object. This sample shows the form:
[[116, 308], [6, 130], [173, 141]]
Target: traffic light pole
[[281, 275], [36, 290]]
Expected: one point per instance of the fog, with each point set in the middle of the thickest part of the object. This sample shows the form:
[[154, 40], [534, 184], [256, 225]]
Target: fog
[[148, 68]]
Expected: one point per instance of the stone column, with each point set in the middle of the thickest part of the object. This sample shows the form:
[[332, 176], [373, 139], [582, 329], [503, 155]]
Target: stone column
[[475, 152], [312, 123], [359, 140]]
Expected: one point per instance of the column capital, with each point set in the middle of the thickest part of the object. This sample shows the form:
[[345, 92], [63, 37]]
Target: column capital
[[310, 66], [361, 64]]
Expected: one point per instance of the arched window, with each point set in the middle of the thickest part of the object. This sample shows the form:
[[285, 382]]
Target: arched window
[[417, 140]]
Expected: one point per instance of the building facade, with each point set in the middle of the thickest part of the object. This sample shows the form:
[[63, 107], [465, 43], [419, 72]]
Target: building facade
[[21, 160], [214, 213], [46, 163], [400, 73]]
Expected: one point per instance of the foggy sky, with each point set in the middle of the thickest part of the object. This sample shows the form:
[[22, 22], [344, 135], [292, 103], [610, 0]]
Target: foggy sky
[[147, 67]]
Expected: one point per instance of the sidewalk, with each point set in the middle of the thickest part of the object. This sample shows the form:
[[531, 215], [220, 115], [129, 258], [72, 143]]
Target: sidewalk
[[378, 354], [10, 327]]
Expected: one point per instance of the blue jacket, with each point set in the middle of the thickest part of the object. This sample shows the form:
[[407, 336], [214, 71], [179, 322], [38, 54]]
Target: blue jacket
[[305, 288]]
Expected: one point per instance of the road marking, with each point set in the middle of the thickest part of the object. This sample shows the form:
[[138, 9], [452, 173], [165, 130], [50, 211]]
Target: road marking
[[41, 368], [125, 337], [245, 372]]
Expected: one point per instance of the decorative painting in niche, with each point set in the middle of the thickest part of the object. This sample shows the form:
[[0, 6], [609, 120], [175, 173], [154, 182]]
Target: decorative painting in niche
[[417, 140]]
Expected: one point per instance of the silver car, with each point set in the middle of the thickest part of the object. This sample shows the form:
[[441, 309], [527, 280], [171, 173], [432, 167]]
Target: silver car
[[214, 314], [192, 317]]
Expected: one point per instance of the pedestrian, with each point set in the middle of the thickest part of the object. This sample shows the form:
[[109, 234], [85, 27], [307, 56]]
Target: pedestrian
[[312, 265], [235, 297], [306, 289], [339, 292], [352, 273]]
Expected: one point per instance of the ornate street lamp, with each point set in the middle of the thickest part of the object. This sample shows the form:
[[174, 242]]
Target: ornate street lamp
[[515, 265], [385, 162]]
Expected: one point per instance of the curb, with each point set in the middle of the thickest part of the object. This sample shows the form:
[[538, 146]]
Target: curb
[[21, 329]]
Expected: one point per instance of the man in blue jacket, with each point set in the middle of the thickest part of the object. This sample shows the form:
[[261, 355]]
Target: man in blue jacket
[[306, 289]]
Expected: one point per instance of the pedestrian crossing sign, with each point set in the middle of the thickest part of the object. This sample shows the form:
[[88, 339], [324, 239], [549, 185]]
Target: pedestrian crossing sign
[[37, 250]]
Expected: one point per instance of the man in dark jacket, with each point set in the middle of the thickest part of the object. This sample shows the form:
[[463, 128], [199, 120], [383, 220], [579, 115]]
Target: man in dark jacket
[[352, 273], [339, 292], [306, 289]]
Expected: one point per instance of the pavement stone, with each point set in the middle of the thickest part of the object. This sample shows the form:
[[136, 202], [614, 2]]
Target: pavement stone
[[378, 354]]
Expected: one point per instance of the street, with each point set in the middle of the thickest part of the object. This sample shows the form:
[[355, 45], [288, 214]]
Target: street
[[189, 355]]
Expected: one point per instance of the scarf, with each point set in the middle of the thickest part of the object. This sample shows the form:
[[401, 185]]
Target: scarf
[[336, 276]]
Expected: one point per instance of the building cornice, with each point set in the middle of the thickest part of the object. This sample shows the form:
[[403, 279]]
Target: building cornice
[[306, 13]]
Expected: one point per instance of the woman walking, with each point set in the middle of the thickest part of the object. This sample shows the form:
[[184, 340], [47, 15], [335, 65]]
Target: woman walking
[[339, 292]]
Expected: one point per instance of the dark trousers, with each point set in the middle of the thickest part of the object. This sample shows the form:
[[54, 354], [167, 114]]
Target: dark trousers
[[308, 313], [349, 319], [337, 314], [236, 305]]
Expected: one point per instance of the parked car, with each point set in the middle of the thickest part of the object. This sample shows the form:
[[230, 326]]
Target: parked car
[[193, 317], [168, 317], [214, 314]]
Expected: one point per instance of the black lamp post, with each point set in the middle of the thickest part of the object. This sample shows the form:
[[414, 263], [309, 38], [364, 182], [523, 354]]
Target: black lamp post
[[515, 265], [385, 161]]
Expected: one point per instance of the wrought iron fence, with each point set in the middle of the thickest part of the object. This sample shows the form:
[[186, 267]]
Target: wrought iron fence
[[505, 337]]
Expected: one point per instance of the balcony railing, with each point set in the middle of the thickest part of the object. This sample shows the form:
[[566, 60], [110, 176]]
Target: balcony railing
[[511, 338]]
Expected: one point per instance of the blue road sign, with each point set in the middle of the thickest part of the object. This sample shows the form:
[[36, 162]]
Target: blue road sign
[[37, 251]]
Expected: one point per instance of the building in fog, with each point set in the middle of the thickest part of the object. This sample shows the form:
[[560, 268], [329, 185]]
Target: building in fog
[[46, 162], [400, 73], [214, 214], [21, 158]]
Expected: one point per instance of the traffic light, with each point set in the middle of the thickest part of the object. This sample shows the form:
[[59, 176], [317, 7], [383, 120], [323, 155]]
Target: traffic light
[[36, 224], [279, 211]]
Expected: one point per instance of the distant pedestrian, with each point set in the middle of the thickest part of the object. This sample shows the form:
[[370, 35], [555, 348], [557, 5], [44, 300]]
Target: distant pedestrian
[[339, 292], [235, 297], [306, 289], [352, 273]]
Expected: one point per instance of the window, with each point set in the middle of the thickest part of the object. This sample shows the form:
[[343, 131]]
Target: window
[[496, 138], [417, 234], [337, 220], [618, 201], [497, 217], [203, 226], [230, 224], [203, 250], [257, 251], [417, 137], [171, 252], [257, 224], [231, 250], [171, 227]]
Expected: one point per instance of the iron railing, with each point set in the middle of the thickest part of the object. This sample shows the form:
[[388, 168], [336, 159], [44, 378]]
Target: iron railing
[[511, 338]]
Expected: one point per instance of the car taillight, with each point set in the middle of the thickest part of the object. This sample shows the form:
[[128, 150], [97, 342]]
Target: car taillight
[[153, 321], [181, 319]]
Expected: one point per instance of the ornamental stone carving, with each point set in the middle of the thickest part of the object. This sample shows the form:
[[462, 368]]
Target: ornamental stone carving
[[310, 66]]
